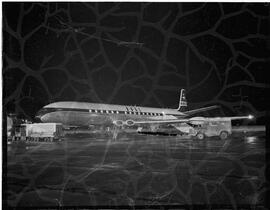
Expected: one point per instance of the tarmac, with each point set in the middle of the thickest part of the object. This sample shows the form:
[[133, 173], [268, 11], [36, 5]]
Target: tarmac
[[131, 170]]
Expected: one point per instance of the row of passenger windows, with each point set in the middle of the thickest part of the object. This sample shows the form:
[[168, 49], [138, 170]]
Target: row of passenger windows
[[126, 112]]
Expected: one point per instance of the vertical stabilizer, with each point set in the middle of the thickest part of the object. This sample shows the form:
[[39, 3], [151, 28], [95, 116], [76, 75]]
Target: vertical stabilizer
[[182, 101]]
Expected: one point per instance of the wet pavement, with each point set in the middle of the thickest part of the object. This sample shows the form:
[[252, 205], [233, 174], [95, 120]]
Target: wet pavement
[[137, 170]]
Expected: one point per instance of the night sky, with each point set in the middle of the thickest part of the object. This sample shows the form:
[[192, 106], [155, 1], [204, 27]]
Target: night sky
[[137, 53]]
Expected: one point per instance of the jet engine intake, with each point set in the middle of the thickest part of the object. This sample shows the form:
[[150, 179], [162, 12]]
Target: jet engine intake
[[129, 123], [118, 123]]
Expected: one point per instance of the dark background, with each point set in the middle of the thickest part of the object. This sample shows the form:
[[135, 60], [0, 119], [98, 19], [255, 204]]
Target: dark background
[[137, 53]]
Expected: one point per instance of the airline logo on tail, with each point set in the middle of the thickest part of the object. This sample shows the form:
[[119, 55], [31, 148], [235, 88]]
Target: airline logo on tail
[[182, 100]]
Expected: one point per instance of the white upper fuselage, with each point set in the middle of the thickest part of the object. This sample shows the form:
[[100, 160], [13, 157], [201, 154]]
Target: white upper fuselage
[[85, 114]]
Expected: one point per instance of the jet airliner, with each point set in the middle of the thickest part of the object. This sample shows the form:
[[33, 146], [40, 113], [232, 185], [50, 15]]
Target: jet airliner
[[76, 114]]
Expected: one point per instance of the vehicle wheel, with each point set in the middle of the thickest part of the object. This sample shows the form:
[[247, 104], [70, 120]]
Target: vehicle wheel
[[223, 135], [200, 136]]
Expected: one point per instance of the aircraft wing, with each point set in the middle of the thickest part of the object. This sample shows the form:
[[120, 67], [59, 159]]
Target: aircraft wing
[[200, 110], [167, 121], [193, 120]]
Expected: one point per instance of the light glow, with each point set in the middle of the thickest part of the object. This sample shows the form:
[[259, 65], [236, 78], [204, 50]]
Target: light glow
[[251, 139], [250, 116]]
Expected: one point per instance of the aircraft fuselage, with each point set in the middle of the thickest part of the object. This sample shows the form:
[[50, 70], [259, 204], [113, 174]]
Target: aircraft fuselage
[[85, 114]]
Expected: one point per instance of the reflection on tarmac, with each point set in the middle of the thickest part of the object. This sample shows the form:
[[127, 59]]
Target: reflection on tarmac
[[137, 170]]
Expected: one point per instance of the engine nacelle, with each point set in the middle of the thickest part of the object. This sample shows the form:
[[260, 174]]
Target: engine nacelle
[[118, 123], [129, 123]]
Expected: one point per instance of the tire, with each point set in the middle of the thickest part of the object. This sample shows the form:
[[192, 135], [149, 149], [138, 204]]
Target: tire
[[200, 136], [223, 135]]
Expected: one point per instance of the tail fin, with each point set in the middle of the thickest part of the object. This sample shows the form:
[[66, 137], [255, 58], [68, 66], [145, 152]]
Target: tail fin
[[182, 101]]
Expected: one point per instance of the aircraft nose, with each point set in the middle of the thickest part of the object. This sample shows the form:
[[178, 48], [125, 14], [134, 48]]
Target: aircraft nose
[[38, 118], [39, 115]]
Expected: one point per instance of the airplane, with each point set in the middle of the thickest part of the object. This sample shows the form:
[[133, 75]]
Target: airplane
[[83, 114], [74, 113]]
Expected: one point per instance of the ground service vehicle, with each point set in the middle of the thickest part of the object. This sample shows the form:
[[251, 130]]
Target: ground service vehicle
[[38, 132], [208, 128], [214, 127]]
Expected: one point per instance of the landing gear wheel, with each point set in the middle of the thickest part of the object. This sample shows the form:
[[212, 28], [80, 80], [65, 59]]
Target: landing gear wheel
[[200, 136], [223, 135]]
